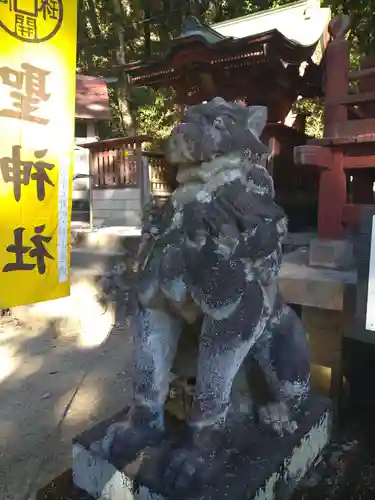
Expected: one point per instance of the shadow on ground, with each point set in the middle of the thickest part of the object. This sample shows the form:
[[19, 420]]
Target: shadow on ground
[[52, 387]]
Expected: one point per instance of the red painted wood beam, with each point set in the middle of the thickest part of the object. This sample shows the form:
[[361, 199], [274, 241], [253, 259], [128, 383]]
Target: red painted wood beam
[[332, 197], [317, 156], [355, 98], [359, 161]]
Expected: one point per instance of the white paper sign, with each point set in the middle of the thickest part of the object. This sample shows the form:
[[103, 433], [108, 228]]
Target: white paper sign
[[370, 308], [63, 223]]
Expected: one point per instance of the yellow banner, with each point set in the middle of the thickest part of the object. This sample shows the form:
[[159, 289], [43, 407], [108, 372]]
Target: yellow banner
[[38, 41]]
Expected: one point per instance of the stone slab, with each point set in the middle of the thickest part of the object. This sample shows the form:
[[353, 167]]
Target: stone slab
[[100, 261], [337, 472], [297, 240], [112, 239], [332, 254], [264, 467], [300, 283]]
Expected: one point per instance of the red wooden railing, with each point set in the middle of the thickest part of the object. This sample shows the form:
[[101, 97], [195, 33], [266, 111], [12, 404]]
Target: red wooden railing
[[116, 164], [346, 154]]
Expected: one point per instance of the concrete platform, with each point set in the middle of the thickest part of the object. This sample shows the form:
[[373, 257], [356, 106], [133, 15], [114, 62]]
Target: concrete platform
[[116, 238], [99, 261], [317, 287], [264, 467]]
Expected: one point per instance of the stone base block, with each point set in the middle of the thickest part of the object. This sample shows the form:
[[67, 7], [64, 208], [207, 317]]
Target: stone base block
[[263, 467], [333, 254]]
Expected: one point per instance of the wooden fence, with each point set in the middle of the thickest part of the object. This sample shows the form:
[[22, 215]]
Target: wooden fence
[[116, 164]]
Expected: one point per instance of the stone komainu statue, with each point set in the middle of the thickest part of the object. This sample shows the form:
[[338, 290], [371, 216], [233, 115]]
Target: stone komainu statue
[[213, 253]]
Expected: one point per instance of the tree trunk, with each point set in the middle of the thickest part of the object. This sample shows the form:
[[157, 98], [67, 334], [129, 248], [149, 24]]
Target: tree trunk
[[164, 26], [84, 41], [126, 108], [146, 28], [91, 14]]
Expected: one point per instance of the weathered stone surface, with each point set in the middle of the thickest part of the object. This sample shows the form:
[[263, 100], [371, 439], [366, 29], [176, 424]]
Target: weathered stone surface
[[265, 467], [333, 254], [310, 286], [336, 472], [211, 257], [326, 330], [294, 241], [111, 239]]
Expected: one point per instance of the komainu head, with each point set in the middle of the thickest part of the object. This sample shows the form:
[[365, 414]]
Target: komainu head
[[214, 129]]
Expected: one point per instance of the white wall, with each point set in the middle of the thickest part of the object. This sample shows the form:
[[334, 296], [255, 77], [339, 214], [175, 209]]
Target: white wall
[[81, 161], [90, 133], [81, 165], [116, 207]]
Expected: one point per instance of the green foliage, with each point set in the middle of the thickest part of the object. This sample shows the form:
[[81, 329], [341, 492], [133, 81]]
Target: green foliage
[[362, 33], [113, 31], [156, 119], [313, 108], [107, 130]]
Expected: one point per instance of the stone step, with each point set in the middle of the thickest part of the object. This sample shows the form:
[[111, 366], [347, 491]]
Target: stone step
[[110, 239], [87, 311], [122, 238], [127, 237], [99, 261], [294, 241], [264, 466], [94, 255]]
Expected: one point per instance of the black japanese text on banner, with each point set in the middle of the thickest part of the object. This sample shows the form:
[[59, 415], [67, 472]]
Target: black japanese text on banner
[[38, 41]]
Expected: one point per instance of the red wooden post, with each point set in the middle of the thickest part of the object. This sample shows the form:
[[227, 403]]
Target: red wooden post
[[332, 186]]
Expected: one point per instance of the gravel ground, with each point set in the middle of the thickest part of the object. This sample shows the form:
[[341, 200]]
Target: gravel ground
[[52, 387]]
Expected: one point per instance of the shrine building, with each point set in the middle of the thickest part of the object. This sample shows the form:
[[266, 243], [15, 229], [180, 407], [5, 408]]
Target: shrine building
[[270, 58]]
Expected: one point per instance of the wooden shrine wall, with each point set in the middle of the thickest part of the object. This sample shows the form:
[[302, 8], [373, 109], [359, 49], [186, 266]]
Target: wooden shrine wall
[[296, 188]]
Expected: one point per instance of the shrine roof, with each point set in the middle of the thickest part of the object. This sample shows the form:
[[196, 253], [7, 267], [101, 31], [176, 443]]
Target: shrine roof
[[92, 101], [290, 33], [302, 23]]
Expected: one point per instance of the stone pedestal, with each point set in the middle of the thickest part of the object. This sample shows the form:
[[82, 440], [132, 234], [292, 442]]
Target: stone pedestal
[[332, 254], [327, 297], [263, 467]]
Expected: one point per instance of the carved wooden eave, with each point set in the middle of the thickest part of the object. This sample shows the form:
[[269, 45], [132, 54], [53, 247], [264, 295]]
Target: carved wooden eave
[[282, 37]]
